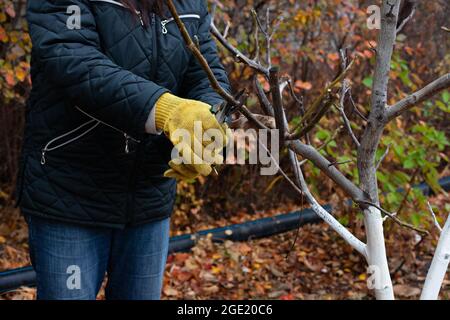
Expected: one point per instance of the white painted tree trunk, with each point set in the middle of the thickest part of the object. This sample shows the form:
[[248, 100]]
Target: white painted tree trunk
[[373, 221], [439, 266], [376, 255]]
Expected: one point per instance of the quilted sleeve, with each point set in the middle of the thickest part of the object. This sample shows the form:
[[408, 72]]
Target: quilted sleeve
[[73, 62], [195, 83]]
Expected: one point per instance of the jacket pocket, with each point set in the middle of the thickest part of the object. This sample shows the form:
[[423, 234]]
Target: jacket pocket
[[182, 17], [128, 138], [68, 138]]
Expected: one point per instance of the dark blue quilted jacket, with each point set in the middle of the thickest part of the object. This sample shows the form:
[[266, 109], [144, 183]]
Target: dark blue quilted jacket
[[86, 157]]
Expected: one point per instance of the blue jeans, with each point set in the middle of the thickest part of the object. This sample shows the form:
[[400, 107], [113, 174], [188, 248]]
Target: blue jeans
[[71, 260]]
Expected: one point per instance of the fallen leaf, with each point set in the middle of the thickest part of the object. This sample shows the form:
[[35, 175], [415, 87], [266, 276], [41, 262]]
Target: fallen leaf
[[406, 291]]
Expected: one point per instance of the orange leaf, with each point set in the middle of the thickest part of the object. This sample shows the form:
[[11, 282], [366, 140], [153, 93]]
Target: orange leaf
[[368, 53], [303, 85], [333, 56], [21, 74], [3, 35], [10, 79]]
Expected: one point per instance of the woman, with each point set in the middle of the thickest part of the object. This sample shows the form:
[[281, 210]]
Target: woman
[[112, 82]]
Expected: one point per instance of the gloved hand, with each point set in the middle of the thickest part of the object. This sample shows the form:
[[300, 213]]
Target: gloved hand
[[173, 113]]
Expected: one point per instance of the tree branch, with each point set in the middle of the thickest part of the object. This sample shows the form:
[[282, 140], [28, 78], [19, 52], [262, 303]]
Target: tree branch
[[274, 81], [310, 153], [254, 64], [314, 113], [198, 55], [417, 97]]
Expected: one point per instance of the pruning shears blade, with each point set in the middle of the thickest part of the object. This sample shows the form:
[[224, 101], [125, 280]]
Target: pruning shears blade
[[224, 110], [219, 110]]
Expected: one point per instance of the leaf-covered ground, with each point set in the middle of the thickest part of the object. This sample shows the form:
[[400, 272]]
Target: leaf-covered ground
[[320, 266]]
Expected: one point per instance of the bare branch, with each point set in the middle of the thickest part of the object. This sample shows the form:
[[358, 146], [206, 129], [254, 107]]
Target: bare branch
[[204, 63], [256, 36], [243, 109], [414, 99], [318, 108], [406, 13], [263, 100], [198, 55], [386, 152], [394, 217], [344, 91], [355, 107], [298, 100], [310, 153], [302, 188], [274, 81], [436, 222], [238, 54]]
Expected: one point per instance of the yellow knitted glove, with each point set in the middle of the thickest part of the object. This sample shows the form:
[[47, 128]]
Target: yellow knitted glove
[[177, 118]]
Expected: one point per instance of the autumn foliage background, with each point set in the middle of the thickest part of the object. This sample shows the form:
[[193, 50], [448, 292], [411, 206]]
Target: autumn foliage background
[[306, 45]]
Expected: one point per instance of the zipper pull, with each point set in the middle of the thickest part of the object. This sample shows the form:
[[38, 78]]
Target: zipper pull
[[163, 26], [127, 143], [43, 157], [140, 17]]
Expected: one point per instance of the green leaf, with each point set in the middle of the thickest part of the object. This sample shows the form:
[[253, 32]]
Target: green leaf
[[446, 97], [409, 163], [443, 106], [368, 82]]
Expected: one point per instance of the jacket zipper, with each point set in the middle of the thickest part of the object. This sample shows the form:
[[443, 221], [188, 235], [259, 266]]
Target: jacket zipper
[[128, 138], [139, 13], [117, 3], [48, 147], [97, 122], [132, 178], [154, 47], [183, 16]]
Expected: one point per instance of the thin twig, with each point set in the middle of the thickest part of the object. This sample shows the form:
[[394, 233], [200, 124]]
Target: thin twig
[[319, 107], [436, 222], [341, 108], [263, 100], [238, 54], [385, 154], [393, 216], [355, 107]]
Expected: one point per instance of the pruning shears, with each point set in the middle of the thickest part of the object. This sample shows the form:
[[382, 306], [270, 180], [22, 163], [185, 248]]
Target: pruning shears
[[223, 111]]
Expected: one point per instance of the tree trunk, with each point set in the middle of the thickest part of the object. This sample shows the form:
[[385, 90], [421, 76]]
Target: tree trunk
[[438, 267], [376, 251]]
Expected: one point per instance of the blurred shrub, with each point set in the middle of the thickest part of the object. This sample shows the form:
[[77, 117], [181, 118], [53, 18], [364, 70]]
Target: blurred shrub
[[15, 48]]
